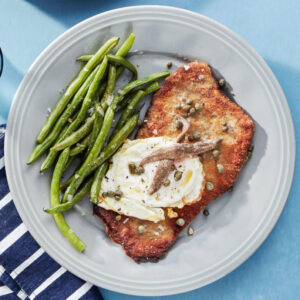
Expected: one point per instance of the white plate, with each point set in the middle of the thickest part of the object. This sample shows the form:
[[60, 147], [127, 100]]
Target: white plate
[[238, 222]]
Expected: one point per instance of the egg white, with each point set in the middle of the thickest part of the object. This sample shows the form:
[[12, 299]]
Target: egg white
[[135, 200]]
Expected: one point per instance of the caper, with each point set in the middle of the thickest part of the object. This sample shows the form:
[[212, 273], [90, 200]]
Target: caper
[[224, 128], [140, 170], [180, 222], [251, 147], [190, 101], [192, 111], [230, 189], [178, 124], [216, 153], [206, 212], [110, 194], [118, 195], [104, 194], [220, 168], [186, 108], [177, 106], [140, 122], [222, 82], [132, 167], [177, 175], [169, 65], [190, 230], [200, 157], [118, 218], [209, 185], [190, 138], [198, 106], [141, 228], [173, 168], [196, 136], [167, 182]]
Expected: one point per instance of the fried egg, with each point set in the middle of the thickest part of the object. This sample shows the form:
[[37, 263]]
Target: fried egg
[[135, 200]]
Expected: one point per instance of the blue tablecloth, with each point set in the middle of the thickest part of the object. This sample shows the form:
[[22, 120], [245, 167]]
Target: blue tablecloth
[[271, 27]]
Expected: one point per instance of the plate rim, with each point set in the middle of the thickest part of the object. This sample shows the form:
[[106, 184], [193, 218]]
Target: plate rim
[[148, 291]]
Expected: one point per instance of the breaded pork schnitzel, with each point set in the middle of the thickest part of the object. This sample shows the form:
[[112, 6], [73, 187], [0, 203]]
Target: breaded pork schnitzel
[[216, 117]]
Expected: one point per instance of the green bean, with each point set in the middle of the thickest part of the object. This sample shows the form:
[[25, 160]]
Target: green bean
[[125, 47], [113, 74], [135, 84], [70, 160], [96, 126], [96, 185], [54, 196], [128, 111], [111, 81], [120, 70], [133, 104], [100, 92], [101, 108], [109, 150], [76, 136], [113, 145], [125, 63], [74, 86], [153, 87], [52, 137], [93, 153], [80, 146], [148, 90], [85, 57], [64, 185], [108, 118], [66, 206], [87, 102], [122, 51]]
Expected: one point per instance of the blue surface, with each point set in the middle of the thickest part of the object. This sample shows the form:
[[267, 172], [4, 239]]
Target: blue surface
[[271, 27]]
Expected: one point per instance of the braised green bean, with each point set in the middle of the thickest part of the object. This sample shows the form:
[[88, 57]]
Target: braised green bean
[[109, 116], [96, 185], [80, 146], [52, 137], [125, 47], [85, 57], [133, 104], [135, 84], [122, 51], [54, 197], [74, 86], [86, 104], [66, 206], [125, 63], [113, 145], [76, 136]]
